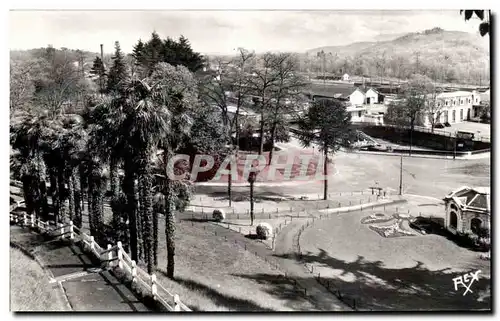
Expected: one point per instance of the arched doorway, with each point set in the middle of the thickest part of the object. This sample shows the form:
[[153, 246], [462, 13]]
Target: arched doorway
[[475, 225], [453, 220]]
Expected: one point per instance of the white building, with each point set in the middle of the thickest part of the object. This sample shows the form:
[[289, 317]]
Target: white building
[[371, 96], [452, 107], [346, 78]]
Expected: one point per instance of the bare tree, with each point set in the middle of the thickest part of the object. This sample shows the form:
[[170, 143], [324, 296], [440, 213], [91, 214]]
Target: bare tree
[[21, 84], [286, 93], [262, 82], [433, 108], [229, 76], [58, 83]]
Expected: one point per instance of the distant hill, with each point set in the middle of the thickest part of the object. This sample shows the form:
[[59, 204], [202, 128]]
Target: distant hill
[[433, 40], [459, 55]]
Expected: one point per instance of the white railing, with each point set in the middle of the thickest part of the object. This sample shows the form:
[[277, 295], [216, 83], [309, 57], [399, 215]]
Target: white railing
[[113, 256]]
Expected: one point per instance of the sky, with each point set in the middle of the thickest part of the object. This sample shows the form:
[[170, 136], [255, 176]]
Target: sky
[[221, 32]]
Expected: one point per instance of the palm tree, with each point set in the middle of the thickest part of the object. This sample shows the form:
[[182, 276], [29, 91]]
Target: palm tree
[[147, 120]]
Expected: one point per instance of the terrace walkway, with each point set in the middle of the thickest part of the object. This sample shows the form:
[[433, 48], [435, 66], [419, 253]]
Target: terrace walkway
[[86, 286]]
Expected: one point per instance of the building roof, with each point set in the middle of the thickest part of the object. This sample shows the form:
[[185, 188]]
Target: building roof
[[373, 89], [471, 198], [453, 94], [333, 91]]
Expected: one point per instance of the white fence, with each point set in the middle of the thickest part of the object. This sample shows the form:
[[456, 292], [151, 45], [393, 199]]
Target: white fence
[[112, 256]]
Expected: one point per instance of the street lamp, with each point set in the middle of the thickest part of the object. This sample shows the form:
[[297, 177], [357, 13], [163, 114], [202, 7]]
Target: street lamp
[[251, 179]]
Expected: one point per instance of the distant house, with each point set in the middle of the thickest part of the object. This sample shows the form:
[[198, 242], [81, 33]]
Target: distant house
[[346, 78], [372, 96], [468, 210]]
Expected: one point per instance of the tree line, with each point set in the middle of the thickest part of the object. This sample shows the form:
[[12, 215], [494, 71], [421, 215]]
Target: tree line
[[82, 144]]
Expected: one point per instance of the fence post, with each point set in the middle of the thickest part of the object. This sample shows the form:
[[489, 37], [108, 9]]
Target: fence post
[[24, 219], [32, 220], [177, 306], [61, 226], [71, 233], [153, 286], [134, 271], [110, 255], [119, 253]]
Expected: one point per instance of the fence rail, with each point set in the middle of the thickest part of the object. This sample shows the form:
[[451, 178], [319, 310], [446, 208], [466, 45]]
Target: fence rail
[[112, 256]]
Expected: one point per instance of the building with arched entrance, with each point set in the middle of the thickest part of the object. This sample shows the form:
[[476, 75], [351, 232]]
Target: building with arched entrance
[[467, 210]]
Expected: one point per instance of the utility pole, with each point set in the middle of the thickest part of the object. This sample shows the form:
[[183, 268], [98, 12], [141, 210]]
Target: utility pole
[[401, 177]]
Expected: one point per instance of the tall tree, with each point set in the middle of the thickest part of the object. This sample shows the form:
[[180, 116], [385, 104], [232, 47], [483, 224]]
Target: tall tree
[[118, 71], [328, 124], [99, 71]]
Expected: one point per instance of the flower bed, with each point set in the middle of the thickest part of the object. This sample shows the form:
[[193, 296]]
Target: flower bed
[[393, 230]]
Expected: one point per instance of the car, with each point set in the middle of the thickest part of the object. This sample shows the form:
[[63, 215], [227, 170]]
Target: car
[[439, 125], [447, 124]]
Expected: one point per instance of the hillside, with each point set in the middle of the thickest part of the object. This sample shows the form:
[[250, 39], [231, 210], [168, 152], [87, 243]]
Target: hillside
[[448, 55]]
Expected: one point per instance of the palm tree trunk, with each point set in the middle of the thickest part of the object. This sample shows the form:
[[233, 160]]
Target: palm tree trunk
[[155, 238], [62, 194], [97, 199], [71, 196], [147, 211], [44, 200], [54, 191], [169, 222], [129, 189], [90, 205], [113, 177], [27, 181], [140, 229], [78, 198]]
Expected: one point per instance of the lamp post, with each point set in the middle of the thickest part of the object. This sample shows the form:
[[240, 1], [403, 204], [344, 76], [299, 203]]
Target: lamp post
[[251, 179], [401, 177]]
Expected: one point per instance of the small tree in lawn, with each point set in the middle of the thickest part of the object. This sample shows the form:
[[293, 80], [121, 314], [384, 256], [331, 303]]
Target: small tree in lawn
[[328, 124]]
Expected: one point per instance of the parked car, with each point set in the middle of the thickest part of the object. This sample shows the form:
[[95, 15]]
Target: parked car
[[447, 124], [439, 125]]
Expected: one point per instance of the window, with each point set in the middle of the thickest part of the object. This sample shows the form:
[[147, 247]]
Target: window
[[439, 104], [359, 113], [469, 100], [453, 220], [454, 102], [461, 101], [446, 103], [461, 114], [475, 225], [453, 116]]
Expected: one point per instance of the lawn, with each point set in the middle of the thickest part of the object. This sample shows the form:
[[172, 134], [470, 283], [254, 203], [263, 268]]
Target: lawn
[[213, 274], [29, 286], [403, 273]]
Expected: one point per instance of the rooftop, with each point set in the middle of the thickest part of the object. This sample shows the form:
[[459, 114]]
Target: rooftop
[[472, 198]]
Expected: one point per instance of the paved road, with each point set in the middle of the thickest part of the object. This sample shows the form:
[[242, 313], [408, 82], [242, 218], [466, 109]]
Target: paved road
[[85, 289], [357, 171]]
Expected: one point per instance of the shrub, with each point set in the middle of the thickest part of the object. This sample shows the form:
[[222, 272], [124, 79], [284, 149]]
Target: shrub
[[264, 230], [218, 215]]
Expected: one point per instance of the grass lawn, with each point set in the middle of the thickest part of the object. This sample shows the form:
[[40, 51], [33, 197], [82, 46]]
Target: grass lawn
[[403, 273], [217, 275], [29, 286]]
